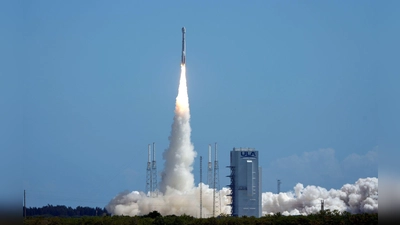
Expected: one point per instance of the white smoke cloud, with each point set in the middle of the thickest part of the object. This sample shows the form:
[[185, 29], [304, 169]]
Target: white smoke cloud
[[360, 197], [354, 198], [173, 203], [179, 156]]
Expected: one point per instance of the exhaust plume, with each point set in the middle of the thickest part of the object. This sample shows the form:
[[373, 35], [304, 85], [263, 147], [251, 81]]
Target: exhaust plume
[[178, 194], [180, 154]]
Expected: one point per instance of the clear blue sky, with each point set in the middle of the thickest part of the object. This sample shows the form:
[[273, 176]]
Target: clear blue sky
[[309, 84]]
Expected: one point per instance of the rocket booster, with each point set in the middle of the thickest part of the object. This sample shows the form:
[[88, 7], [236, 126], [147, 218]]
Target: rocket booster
[[183, 57]]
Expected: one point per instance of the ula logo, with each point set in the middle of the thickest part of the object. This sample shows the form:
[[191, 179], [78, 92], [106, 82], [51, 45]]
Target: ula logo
[[248, 154]]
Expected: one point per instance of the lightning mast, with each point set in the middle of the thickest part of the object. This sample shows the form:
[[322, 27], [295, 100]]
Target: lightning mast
[[201, 187], [216, 205], [154, 172], [279, 186], [149, 179], [24, 204], [209, 169], [322, 205]]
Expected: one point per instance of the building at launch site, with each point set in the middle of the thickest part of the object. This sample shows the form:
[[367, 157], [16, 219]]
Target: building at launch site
[[245, 182]]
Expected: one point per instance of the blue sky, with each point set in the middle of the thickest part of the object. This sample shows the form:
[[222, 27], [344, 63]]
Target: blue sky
[[309, 84]]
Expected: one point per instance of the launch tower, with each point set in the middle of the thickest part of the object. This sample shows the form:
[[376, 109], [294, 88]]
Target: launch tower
[[149, 178], [209, 169], [151, 172]]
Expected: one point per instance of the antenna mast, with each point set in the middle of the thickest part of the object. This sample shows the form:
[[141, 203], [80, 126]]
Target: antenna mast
[[279, 186], [24, 204], [149, 179], [201, 187], [322, 205], [216, 205], [209, 169], [154, 171]]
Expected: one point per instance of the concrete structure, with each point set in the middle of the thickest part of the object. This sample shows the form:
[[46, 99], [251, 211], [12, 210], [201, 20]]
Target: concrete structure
[[245, 182]]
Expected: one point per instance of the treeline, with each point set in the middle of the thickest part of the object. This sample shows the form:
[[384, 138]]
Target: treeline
[[64, 211], [324, 217]]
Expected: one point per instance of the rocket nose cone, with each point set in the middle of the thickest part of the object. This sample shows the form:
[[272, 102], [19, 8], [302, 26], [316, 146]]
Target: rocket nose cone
[[183, 29]]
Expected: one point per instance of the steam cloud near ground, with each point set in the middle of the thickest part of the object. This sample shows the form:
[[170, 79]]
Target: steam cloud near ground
[[360, 197], [180, 196], [354, 198]]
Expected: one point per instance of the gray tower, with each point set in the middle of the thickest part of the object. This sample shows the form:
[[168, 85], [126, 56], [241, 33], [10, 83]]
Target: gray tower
[[245, 182], [209, 169], [217, 202], [154, 181], [149, 178]]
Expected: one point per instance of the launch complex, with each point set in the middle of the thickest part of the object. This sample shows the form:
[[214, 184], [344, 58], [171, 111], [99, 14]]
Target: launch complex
[[245, 173]]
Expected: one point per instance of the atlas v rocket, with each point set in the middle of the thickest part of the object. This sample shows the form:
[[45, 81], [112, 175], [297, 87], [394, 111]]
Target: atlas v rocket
[[183, 58]]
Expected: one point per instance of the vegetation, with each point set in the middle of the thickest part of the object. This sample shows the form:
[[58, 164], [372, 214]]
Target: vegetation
[[324, 217], [63, 211]]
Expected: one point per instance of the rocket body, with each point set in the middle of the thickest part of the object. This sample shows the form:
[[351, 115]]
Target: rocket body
[[183, 57]]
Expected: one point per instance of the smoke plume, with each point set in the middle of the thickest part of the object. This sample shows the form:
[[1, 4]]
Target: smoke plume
[[173, 203], [179, 156], [361, 197], [180, 196]]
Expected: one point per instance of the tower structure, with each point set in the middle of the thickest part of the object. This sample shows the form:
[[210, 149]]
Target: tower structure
[[216, 205], [245, 182], [209, 169], [279, 186], [149, 179], [154, 172], [233, 189], [201, 187], [24, 204], [322, 205]]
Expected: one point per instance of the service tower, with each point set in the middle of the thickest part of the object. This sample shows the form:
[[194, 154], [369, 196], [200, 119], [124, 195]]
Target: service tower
[[245, 182]]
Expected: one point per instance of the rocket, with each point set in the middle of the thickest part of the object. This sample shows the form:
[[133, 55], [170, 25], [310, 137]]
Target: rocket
[[183, 57]]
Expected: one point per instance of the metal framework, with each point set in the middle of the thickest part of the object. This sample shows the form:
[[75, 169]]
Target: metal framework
[[216, 205], [154, 172], [151, 172], [233, 191], [149, 179], [209, 169], [279, 186], [201, 187]]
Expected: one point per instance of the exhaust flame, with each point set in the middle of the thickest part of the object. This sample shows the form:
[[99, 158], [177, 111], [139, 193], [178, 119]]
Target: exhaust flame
[[182, 100]]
